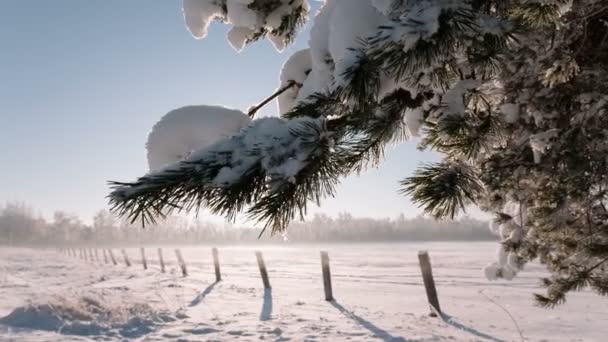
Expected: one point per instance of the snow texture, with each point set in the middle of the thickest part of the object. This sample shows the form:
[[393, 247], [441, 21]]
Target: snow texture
[[187, 129], [268, 141], [46, 296]]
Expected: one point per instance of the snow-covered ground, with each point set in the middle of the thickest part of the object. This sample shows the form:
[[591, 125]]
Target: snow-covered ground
[[48, 296]]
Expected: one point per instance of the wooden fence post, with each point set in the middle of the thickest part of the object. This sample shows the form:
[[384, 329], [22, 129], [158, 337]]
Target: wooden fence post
[[161, 260], [96, 255], [181, 262], [143, 258], [329, 296], [91, 255], [112, 257], [105, 256], [263, 271], [126, 257], [216, 264], [429, 283]]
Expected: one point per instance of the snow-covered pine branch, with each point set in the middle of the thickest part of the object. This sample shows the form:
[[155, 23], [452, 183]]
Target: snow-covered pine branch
[[261, 160], [514, 94]]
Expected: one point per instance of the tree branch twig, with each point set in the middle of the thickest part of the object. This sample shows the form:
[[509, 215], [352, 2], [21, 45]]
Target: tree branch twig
[[280, 91]]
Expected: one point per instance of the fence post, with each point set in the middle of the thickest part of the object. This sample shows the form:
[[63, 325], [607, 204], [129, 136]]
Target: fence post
[[91, 255], [216, 264], [126, 257], [263, 271], [161, 260], [105, 256], [181, 262], [143, 258], [112, 257], [96, 255], [326, 276], [429, 283]]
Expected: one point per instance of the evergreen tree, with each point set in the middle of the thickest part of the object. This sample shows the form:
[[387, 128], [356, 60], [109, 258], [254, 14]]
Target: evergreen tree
[[512, 93]]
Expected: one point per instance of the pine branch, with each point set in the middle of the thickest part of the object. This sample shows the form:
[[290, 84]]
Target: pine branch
[[273, 177], [444, 188]]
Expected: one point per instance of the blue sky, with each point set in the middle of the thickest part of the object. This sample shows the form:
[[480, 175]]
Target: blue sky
[[82, 83]]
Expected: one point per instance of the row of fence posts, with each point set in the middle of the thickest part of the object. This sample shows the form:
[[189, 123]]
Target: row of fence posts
[[92, 254], [423, 259]]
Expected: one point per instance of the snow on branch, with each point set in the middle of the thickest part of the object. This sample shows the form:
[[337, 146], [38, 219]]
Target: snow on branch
[[251, 20], [228, 174]]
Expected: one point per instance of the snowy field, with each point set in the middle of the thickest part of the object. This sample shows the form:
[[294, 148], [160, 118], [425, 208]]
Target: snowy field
[[48, 296]]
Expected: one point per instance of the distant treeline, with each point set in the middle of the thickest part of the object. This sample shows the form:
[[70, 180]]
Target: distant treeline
[[19, 226]]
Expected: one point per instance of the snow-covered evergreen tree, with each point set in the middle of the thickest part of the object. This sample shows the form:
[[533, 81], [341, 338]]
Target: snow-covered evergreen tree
[[513, 93]]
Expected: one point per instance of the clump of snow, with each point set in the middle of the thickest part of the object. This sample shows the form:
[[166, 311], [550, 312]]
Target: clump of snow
[[495, 271], [453, 100], [492, 271], [507, 264], [513, 261], [517, 234], [237, 37], [510, 112], [494, 227], [502, 255], [87, 316], [337, 32], [240, 15], [383, 6], [246, 20], [198, 14], [295, 69], [191, 128], [492, 25], [541, 142], [413, 120]]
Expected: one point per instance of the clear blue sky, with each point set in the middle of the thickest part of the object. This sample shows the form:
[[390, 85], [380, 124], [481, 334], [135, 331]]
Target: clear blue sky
[[82, 83]]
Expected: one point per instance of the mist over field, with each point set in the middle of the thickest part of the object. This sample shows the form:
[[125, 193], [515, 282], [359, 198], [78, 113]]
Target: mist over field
[[19, 226]]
